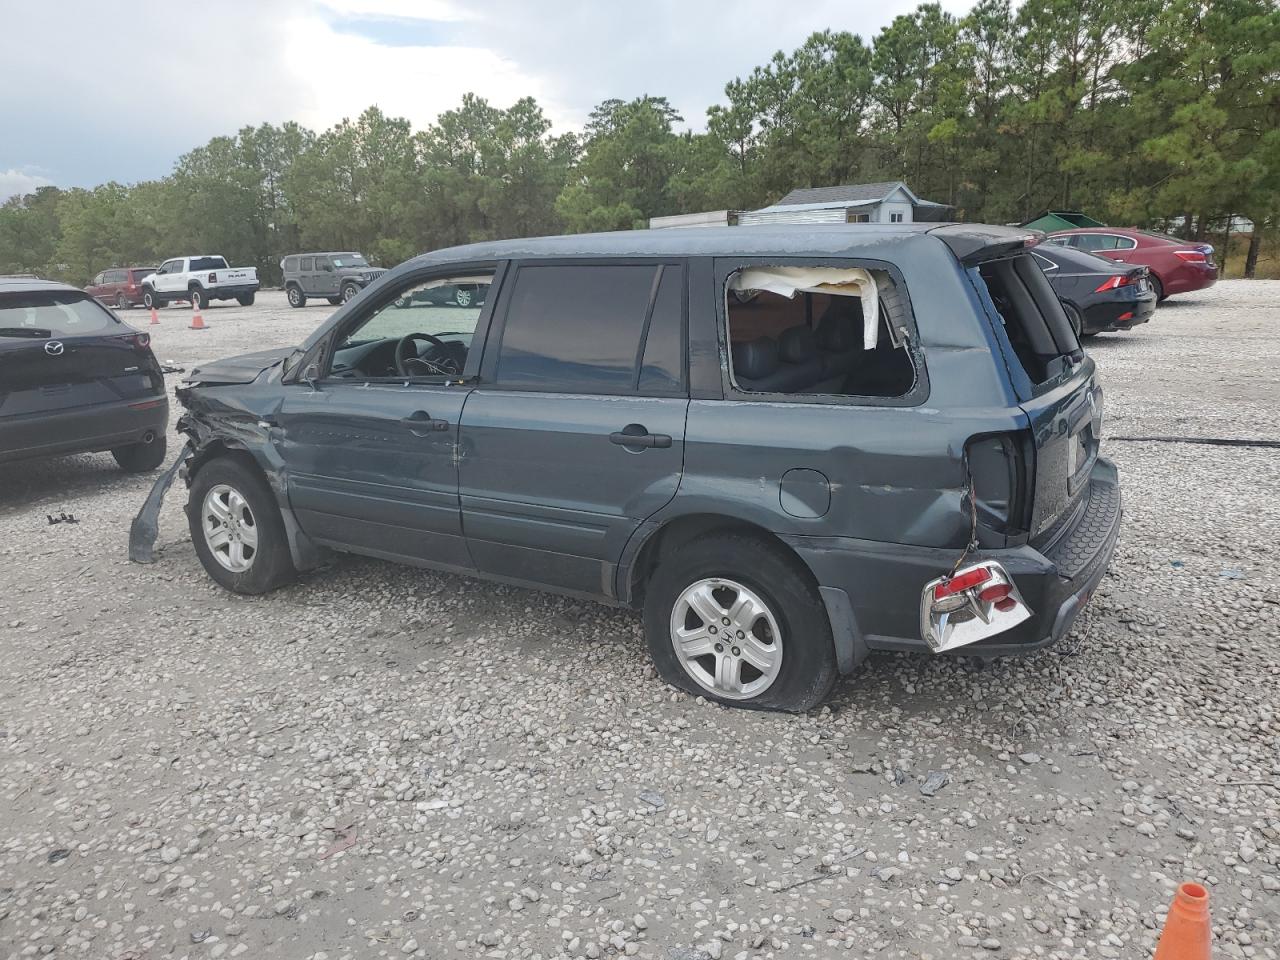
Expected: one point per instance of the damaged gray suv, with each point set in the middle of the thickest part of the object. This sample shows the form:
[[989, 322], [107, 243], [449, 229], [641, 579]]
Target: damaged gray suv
[[787, 446]]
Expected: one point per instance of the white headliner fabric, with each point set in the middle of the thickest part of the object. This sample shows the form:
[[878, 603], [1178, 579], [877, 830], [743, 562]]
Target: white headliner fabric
[[838, 281]]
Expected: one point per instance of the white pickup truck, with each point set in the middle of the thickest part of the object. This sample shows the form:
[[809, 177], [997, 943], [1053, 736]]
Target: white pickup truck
[[199, 280]]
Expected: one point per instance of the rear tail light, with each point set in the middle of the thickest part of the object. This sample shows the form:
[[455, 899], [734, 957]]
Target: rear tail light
[[1192, 256], [139, 341], [213, 277], [1114, 283], [974, 603], [961, 582]]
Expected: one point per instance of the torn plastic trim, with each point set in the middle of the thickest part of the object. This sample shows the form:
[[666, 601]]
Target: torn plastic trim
[[146, 525], [835, 281]]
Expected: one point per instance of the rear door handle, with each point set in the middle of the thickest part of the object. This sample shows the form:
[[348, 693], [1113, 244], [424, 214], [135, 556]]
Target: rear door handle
[[634, 435], [420, 423]]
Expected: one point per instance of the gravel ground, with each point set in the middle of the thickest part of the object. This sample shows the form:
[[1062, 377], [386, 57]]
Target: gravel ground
[[381, 762]]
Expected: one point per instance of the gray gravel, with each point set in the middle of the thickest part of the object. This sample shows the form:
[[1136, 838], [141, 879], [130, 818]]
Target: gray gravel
[[381, 762]]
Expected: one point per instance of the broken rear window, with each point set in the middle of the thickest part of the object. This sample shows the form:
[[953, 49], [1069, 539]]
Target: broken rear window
[[1033, 320]]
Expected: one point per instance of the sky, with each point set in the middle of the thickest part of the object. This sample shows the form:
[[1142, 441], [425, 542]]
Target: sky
[[99, 90]]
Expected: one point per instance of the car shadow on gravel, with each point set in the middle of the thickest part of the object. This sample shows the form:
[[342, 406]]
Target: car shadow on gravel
[[57, 481]]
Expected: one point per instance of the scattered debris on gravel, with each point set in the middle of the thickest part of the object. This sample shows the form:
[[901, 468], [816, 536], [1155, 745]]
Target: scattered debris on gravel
[[383, 762]]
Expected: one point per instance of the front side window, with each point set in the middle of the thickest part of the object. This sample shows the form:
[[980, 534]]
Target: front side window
[[579, 328], [424, 331], [1097, 241]]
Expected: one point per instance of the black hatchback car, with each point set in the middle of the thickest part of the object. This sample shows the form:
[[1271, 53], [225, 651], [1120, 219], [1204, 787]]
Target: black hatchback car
[[786, 446], [75, 379], [1098, 295]]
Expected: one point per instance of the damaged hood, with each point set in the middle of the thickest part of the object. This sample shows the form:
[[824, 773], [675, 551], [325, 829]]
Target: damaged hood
[[242, 369]]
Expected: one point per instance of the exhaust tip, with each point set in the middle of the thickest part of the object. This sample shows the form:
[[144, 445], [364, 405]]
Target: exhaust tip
[[149, 436]]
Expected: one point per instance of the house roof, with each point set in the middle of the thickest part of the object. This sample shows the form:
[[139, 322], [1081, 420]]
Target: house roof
[[851, 194]]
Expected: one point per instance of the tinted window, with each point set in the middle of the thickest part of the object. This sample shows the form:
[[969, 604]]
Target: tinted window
[[55, 314], [140, 272], [575, 328], [1096, 241], [307, 263], [663, 367], [208, 263]]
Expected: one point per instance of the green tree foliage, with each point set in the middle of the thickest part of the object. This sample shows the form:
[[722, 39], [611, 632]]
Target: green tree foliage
[[1163, 113]]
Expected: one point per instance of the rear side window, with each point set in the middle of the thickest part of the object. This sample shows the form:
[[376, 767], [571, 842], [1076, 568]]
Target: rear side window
[[1032, 317], [307, 263], [45, 315], [579, 329], [662, 369]]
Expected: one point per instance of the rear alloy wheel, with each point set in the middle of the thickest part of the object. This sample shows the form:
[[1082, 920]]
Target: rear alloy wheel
[[296, 297], [349, 290], [141, 457], [236, 528], [733, 618], [122, 302], [150, 300], [463, 297], [198, 298]]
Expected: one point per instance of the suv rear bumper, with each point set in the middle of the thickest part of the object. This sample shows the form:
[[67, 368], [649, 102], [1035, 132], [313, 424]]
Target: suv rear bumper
[[82, 429], [872, 590]]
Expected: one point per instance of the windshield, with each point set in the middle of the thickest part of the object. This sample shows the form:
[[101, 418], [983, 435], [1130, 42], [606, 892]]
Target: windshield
[[54, 313], [349, 260]]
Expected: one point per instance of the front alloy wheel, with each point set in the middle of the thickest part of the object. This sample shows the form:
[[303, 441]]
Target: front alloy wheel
[[726, 638], [230, 530]]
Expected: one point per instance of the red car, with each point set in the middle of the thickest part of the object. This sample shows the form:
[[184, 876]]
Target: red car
[[119, 287], [1176, 266]]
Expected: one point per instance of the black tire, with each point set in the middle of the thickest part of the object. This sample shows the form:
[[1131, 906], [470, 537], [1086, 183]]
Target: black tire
[[295, 295], [270, 565], [1158, 287], [141, 457], [150, 299], [808, 669], [349, 290], [334, 301], [122, 302], [245, 299], [199, 299]]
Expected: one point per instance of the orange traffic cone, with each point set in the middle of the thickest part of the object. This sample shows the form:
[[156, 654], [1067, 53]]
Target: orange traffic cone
[[1186, 930], [197, 321], [155, 317]]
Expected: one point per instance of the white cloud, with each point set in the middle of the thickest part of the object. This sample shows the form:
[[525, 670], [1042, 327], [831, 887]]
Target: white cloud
[[416, 82], [15, 182], [88, 96]]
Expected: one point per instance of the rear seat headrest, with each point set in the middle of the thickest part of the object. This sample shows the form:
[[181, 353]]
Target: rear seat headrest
[[756, 358], [835, 329], [797, 345]]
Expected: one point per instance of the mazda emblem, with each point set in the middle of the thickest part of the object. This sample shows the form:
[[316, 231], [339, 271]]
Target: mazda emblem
[[53, 348]]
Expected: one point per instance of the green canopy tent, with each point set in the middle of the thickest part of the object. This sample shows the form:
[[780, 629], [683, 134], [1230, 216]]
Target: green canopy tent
[[1053, 220]]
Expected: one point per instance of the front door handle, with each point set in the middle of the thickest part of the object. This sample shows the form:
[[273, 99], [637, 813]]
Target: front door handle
[[420, 423], [636, 435]]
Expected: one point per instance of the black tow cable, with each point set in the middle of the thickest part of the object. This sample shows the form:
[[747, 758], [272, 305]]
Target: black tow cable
[[1208, 441]]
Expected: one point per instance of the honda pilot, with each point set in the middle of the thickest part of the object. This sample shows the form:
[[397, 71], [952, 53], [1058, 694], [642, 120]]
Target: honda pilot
[[786, 446]]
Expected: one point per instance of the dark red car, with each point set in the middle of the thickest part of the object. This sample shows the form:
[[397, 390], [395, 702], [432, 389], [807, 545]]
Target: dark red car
[[119, 287], [1176, 266]]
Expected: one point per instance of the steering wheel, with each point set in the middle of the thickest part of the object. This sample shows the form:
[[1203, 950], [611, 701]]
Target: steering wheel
[[407, 353]]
